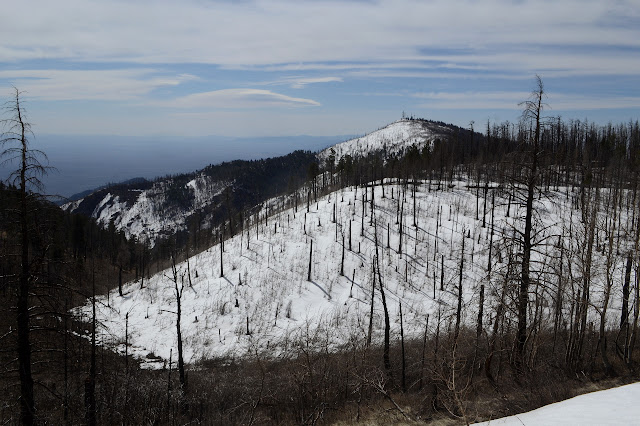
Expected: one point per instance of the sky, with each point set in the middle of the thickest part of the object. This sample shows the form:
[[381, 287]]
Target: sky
[[117, 89], [252, 68]]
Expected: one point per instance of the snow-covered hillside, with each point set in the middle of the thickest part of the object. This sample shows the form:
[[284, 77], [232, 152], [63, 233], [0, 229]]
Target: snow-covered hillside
[[392, 139], [145, 213], [162, 208], [265, 302], [617, 406]]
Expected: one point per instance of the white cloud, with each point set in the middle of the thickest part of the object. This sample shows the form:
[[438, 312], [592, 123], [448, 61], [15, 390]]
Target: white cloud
[[110, 85], [300, 83], [396, 47], [239, 98], [511, 101], [268, 32]]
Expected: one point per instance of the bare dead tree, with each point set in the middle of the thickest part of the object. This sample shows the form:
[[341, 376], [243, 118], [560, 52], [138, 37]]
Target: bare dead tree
[[178, 289], [387, 323], [310, 259], [16, 148], [608, 286], [456, 333], [533, 108]]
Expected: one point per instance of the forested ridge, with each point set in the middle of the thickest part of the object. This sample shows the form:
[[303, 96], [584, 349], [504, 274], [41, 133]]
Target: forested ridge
[[537, 327], [218, 193]]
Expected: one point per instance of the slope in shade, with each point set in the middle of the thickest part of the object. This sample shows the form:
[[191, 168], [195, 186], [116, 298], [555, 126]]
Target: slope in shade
[[164, 207]]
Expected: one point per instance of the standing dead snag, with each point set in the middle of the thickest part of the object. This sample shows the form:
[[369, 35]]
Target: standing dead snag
[[221, 250], [608, 285], [310, 258], [479, 326], [404, 361], [493, 205], [532, 112], [459, 308], [576, 342], [342, 261], [179, 288], [373, 295], [16, 149], [387, 323], [90, 381]]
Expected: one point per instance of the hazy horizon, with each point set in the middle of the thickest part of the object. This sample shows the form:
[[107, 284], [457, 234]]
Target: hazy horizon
[[90, 161]]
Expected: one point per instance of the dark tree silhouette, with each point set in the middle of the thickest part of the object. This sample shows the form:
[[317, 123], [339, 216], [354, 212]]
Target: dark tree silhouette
[[26, 177]]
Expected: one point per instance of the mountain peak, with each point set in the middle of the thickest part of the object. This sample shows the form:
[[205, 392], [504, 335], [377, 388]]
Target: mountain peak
[[391, 139]]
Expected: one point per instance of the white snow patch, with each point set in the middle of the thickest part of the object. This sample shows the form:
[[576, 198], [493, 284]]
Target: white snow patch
[[617, 406]]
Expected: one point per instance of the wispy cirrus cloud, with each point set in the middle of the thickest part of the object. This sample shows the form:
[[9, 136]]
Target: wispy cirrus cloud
[[106, 85], [160, 59], [266, 32], [300, 82], [239, 98], [512, 100]]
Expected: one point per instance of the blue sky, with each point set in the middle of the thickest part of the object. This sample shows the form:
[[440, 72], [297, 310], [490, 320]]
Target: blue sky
[[267, 68]]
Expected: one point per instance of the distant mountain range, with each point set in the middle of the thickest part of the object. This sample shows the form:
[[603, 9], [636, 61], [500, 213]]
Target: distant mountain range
[[89, 162]]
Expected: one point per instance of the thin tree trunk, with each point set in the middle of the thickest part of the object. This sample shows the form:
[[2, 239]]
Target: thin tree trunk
[[310, 258], [342, 261], [404, 359], [373, 293], [90, 383], [456, 332], [387, 323], [178, 291]]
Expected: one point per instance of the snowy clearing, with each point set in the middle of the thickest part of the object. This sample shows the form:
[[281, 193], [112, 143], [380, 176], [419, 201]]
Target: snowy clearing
[[265, 303]]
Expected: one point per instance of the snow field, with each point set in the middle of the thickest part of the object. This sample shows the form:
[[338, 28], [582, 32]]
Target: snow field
[[265, 285], [617, 406]]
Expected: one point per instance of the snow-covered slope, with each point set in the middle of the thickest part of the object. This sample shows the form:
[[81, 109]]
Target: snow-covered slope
[[146, 213], [392, 139], [264, 301], [151, 210], [206, 198], [617, 406]]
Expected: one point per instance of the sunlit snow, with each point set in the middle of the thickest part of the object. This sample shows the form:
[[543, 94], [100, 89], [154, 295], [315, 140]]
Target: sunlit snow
[[391, 139], [266, 267], [617, 406]]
